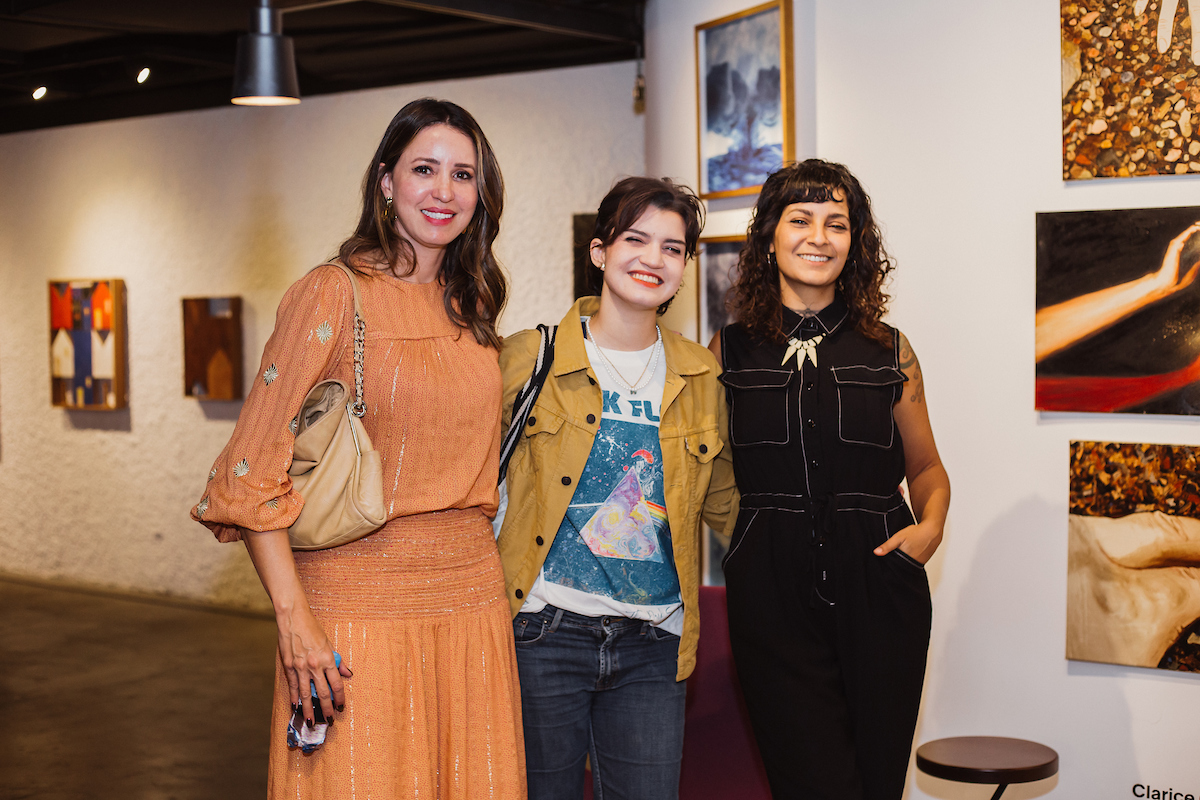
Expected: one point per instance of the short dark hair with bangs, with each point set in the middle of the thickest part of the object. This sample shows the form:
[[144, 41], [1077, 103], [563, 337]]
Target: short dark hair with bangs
[[625, 203], [754, 297]]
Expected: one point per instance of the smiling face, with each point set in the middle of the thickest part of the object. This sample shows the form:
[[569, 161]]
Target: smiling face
[[643, 267], [434, 192], [811, 244]]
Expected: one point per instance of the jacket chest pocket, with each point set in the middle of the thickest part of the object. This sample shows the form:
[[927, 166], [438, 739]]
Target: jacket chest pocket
[[760, 405], [540, 430], [865, 399]]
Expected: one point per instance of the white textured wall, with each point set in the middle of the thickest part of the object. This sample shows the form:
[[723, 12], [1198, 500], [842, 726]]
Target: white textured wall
[[949, 112], [232, 201]]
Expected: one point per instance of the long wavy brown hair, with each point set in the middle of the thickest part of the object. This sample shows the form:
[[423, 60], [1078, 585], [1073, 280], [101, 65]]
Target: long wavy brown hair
[[475, 288], [754, 297]]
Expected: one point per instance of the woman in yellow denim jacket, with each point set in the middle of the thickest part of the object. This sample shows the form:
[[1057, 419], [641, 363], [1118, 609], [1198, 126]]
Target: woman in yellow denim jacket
[[600, 540]]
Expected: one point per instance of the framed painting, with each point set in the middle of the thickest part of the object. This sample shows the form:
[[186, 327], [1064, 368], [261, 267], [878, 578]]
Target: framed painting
[[744, 98], [717, 259], [1129, 93], [212, 348], [88, 342], [1118, 311], [1133, 556]]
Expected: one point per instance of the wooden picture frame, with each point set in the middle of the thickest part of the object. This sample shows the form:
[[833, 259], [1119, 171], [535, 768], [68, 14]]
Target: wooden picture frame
[[88, 345], [744, 107], [716, 259]]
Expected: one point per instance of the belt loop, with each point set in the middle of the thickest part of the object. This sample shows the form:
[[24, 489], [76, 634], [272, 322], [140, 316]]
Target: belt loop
[[558, 615]]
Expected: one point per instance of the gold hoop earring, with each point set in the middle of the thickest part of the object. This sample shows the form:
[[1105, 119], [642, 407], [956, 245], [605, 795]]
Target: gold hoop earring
[[387, 207]]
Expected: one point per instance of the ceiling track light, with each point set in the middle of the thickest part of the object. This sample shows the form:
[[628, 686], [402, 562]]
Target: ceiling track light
[[143, 75], [39, 93], [265, 70]]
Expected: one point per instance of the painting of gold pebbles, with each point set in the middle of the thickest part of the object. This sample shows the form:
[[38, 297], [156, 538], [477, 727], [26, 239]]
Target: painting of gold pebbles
[[1130, 97], [1133, 562]]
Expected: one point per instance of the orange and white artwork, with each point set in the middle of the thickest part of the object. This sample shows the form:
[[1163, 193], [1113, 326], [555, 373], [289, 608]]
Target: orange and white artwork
[[87, 344]]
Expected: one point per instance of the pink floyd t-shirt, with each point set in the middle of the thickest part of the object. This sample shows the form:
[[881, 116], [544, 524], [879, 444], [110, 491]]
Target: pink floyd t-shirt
[[612, 554]]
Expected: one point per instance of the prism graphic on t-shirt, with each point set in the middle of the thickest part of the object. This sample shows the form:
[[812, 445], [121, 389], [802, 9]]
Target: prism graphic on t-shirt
[[615, 540]]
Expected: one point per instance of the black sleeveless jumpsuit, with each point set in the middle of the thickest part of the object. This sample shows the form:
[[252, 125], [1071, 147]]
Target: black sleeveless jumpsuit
[[829, 639]]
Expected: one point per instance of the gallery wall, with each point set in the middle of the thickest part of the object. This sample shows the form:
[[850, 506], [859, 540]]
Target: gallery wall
[[232, 201], [950, 113]]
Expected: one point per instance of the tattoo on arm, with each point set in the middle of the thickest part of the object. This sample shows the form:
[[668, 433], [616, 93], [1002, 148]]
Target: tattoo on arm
[[912, 368]]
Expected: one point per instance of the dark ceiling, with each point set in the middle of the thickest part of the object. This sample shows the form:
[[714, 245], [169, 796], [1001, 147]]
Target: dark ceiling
[[88, 52]]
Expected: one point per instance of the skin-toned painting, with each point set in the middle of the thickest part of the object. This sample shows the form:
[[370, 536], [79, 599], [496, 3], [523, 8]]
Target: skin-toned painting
[[212, 348], [88, 344], [1129, 91], [1118, 311], [744, 98], [1133, 563]]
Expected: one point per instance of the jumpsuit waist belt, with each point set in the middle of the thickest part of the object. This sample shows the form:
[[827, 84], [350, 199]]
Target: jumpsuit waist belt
[[833, 501]]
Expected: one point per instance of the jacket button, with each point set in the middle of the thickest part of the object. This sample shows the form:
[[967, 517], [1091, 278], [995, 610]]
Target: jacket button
[[540, 541], [703, 449], [531, 421], [808, 387], [591, 419], [812, 423], [566, 481], [814, 464], [519, 594]]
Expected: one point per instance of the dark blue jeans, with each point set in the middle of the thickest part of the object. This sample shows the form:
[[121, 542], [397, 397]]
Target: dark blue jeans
[[604, 687]]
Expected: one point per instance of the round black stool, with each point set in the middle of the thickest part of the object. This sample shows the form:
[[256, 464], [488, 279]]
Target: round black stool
[[987, 759]]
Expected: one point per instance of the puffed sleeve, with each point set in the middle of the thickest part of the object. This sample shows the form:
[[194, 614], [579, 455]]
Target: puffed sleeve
[[249, 486]]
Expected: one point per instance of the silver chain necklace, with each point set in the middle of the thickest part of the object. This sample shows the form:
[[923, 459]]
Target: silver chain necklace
[[647, 372]]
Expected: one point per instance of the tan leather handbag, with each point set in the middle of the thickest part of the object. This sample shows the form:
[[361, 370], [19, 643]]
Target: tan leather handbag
[[334, 467]]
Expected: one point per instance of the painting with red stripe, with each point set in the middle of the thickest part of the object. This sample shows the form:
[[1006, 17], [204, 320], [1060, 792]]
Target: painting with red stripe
[[1118, 311]]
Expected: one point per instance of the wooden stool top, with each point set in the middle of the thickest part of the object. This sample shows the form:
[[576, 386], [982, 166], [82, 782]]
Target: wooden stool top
[[987, 759]]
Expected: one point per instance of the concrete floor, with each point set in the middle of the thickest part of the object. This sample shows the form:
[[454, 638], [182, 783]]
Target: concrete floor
[[112, 697]]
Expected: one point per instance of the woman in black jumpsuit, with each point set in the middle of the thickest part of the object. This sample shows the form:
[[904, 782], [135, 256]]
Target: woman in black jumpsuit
[[829, 608]]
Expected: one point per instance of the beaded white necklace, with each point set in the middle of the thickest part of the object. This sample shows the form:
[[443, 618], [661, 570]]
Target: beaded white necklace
[[647, 375]]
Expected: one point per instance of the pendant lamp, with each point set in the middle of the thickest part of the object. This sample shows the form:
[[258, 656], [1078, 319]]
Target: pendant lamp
[[265, 71]]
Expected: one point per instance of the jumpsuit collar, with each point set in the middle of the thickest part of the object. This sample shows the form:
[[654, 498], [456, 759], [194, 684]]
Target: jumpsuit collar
[[825, 321]]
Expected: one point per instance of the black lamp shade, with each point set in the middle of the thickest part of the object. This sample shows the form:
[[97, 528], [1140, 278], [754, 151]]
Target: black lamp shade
[[265, 71]]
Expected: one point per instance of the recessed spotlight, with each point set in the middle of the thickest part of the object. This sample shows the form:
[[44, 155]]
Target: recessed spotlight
[[39, 93], [143, 75]]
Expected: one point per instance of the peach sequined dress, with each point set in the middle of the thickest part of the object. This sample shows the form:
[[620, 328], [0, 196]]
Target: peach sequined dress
[[416, 609]]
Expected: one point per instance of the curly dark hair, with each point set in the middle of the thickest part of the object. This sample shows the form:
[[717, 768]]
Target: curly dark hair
[[754, 297], [625, 203], [475, 288]]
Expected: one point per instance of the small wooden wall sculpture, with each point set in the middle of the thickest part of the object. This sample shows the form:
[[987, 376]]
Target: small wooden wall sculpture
[[212, 348]]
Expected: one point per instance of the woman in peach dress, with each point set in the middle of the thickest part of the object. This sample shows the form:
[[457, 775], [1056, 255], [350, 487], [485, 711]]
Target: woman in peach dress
[[426, 701]]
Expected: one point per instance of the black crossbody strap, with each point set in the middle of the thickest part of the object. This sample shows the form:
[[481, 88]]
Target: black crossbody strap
[[523, 402]]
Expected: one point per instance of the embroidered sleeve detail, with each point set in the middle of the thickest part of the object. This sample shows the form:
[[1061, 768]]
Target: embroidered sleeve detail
[[273, 503], [270, 374], [202, 506], [242, 468], [212, 474], [324, 331]]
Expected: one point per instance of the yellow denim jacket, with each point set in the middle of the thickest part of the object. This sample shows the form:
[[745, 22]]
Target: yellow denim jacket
[[550, 457]]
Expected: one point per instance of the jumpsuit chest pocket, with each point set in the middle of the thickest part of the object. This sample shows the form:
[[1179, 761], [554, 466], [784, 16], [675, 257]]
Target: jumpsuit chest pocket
[[865, 399], [759, 405]]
